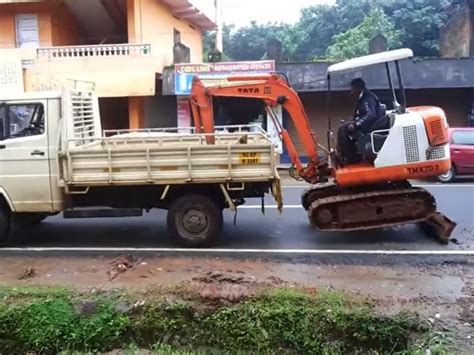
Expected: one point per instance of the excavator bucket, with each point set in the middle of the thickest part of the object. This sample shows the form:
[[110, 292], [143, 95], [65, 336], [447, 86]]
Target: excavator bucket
[[438, 226]]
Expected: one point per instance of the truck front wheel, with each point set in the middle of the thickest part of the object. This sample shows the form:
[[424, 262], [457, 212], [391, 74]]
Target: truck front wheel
[[195, 221], [5, 227]]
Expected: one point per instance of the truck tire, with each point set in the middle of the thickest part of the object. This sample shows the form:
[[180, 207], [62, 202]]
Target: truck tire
[[195, 221], [5, 227]]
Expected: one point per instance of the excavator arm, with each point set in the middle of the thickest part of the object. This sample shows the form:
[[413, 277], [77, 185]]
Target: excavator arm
[[274, 90]]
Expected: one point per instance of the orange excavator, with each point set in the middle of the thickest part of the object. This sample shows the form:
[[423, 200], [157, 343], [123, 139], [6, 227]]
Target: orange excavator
[[403, 144]]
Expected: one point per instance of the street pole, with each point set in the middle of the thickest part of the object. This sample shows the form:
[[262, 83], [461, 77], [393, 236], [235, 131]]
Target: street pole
[[219, 40]]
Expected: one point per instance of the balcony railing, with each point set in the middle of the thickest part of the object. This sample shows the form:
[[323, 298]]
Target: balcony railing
[[106, 50]]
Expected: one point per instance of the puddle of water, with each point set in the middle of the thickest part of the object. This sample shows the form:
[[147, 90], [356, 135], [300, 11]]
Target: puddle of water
[[377, 281]]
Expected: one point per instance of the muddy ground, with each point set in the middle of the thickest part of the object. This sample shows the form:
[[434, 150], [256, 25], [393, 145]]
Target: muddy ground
[[440, 294]]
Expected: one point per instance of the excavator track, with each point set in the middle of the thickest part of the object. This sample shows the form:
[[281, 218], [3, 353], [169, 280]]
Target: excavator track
[[330, 189], [332, 208]]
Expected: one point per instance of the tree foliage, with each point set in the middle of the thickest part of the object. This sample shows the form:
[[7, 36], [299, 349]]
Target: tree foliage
[[320, 23], [411, 23], [355, 42], [250, 43], [420, 22]]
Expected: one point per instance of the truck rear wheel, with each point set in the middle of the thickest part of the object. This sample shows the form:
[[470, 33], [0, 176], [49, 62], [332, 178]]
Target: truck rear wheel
[[195, 221], [5, 227]]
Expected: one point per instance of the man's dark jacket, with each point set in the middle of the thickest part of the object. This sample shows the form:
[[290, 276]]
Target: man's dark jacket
[[367, 111]]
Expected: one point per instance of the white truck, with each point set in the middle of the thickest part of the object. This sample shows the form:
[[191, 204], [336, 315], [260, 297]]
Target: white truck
[[54, 158]]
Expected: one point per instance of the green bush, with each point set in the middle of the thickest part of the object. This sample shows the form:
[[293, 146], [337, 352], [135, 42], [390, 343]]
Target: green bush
[[176, 323], [291, 320], [53, 325], [284, 321]]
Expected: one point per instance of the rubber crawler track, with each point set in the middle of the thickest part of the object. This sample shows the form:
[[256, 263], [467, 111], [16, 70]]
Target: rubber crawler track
[[331, 208]]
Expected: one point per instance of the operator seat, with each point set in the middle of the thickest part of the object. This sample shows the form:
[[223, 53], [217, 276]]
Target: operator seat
[[364, 144]]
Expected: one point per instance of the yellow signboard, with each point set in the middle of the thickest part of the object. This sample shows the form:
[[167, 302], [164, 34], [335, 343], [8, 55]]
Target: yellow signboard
[[249, 158]]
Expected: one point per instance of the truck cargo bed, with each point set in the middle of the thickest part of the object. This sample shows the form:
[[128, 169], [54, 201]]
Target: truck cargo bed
[[168, 156]]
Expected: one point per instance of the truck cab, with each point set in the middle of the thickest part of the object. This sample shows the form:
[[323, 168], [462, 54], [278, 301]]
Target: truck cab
[[28, 168]]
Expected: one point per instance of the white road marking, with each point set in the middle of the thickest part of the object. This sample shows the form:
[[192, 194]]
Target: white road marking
[[248, 207], [252, 251], [417, 185], [445, 185]]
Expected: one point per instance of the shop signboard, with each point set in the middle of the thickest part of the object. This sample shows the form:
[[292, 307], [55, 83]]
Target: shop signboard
[[184, 73]]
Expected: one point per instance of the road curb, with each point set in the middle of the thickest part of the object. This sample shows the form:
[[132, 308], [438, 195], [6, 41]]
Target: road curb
[[332, 257]]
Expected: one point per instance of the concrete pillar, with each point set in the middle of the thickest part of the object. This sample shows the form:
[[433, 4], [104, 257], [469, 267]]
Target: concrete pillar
[[378, 44], [136, 112], [219, 39], [471, 24], [274, 50], [471, 110], [133, 21], [136, 115]]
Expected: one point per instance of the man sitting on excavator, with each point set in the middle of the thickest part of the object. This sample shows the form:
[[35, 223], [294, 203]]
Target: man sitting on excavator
[[366, 113]]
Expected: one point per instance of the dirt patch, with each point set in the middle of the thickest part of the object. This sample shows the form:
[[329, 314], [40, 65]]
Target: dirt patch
[[238, 277], [27, 274], [226, 287], [120, 265], [400, 282]]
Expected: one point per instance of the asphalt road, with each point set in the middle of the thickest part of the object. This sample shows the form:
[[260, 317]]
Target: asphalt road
[[290, 230]]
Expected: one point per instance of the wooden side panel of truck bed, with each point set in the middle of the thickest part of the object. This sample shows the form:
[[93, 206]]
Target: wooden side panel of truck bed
[[170, 159]]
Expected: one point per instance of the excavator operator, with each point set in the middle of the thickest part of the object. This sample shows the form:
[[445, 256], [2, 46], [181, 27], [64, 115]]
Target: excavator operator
[[366, 113]]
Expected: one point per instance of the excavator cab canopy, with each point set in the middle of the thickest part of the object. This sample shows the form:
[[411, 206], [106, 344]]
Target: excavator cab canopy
[[372, 59], [386, 58]]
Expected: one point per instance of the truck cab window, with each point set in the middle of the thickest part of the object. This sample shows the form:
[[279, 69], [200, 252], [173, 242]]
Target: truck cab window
[[21, 120]]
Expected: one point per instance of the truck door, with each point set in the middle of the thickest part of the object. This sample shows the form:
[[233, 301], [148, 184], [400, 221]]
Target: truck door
[[24, 157], [463, 151]]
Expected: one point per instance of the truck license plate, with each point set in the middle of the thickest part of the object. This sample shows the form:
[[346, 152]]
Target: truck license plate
[[249, 158]]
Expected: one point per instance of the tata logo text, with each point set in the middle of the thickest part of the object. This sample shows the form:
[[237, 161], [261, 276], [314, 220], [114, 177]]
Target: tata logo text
[[248, 91], [423, 169]]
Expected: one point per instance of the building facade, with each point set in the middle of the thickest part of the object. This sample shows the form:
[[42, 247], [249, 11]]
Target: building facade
[[121, 46]]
